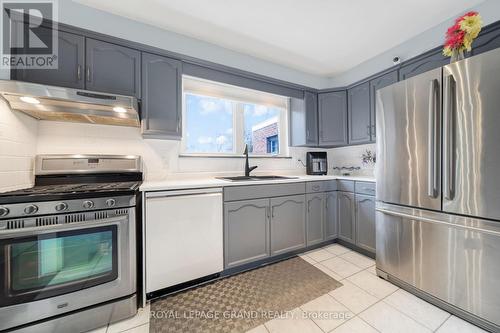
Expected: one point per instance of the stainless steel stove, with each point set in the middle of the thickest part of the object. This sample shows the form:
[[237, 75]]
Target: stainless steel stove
[[68, 245]]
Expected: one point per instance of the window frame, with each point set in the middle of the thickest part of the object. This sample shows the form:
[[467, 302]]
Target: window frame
[[238, 126]]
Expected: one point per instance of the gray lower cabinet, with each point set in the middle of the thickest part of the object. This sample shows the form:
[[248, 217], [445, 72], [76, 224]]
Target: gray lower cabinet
[[331, 215], [112, 68], [288, 223], [345, 206], [315, 217], [365, 222], [375, 84], [359, 113], [246, 231], [332, 112], [70, 63], [161, 112]]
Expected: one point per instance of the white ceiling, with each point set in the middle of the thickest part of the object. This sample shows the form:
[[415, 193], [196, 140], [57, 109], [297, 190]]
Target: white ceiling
[[320, 37]]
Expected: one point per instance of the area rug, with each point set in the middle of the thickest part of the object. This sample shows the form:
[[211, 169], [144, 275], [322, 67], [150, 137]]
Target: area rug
[[241, 302]]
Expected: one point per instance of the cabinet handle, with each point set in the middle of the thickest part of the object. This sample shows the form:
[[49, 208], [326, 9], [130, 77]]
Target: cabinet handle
[[326, 204], [88, 73], [79, 72], [374, 132], [268, 211], [316, 187], [368, 130], [307, 134], [272, 211]]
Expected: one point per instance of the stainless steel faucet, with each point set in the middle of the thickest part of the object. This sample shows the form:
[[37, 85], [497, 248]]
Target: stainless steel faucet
[[248, 168]]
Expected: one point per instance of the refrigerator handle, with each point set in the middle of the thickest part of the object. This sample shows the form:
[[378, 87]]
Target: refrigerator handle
[[449, 138], [433, 140]]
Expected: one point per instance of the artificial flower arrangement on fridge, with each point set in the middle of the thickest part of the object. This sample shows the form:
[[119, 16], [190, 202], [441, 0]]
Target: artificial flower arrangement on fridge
[[460, 36]]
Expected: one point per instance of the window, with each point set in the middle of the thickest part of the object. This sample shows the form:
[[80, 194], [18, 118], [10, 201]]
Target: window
[[221, 119]]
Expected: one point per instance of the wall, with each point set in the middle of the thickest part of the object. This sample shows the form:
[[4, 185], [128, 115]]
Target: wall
[[78, 15], [351, 156], [18, 133], [429, 39], [161, 157]]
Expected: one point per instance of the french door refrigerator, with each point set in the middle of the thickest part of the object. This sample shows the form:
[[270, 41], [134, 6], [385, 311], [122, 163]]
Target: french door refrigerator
[[438, 187]]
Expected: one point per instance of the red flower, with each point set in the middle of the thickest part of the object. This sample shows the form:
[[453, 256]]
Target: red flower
[[460, 19], [456, 39]]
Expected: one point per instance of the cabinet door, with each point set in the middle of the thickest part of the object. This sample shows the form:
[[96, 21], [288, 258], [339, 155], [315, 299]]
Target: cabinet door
[[331, 215], [375, 84], [486, 41], [288, 223], [311, 105], [365, 222], [332, 112], [112, 68], [246, 231], [161, 97], [315, 218], [345, 208], [70, 64], [423, 64], [359, 113]]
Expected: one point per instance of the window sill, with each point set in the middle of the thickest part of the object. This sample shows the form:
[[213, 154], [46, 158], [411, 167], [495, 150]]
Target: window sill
[[235, 156]]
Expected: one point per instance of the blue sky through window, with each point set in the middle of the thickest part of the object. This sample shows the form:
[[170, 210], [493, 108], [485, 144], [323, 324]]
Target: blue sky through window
[[209, 123]]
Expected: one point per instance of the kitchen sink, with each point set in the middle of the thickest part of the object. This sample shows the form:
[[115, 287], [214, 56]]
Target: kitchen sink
[[250, 178]]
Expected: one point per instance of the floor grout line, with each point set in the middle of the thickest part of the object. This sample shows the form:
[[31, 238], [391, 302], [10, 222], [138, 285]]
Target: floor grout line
[[447, 318]]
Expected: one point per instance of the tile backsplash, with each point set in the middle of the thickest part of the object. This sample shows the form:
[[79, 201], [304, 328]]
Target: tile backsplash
[[351, 157], [22, 137], [18, 140]]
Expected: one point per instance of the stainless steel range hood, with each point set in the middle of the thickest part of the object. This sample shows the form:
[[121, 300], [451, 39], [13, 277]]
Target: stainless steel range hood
[[66, 104]]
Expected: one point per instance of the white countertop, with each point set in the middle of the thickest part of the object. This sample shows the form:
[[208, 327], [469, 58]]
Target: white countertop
[[186, 183]]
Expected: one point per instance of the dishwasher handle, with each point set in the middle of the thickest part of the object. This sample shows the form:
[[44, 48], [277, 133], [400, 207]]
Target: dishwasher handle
[[176, 193]]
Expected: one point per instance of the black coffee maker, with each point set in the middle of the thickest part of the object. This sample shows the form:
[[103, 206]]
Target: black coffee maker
[[316, 163]]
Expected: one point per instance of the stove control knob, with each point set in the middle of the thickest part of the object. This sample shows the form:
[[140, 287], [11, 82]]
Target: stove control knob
[[110, 202], [31, 209], [4, 211], [61, 206], [87, 204]]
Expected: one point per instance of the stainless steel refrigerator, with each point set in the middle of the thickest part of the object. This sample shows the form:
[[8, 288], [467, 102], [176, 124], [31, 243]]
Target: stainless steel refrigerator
[[438, 187]]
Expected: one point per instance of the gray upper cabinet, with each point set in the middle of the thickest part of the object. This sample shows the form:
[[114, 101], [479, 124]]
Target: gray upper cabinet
[[311, 104], [365, 222], [332, 110], [304, 120], [246, 231], [422, 64], [161, 112], [70, 64], [315, 218], [375, 84], [112, 68], [487, 41], [288, 224], [345, 206], [359, 113], [331, 215]]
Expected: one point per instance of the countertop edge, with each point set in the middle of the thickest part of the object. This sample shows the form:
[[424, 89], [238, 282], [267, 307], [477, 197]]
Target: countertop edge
[[180, 184]]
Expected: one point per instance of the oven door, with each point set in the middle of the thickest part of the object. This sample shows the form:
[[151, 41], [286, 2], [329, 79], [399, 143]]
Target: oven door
[[54, 269]]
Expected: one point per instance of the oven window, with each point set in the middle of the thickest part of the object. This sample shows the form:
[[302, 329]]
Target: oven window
[[58, 263]]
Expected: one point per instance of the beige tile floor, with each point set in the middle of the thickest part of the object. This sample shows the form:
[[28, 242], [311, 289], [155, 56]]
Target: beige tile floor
[[365, 303]]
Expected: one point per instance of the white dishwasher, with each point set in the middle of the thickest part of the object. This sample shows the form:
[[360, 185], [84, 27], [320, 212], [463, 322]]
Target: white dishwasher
[[183, 236]]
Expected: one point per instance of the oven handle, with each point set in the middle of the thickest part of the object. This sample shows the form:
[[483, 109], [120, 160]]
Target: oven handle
[[31, 231]]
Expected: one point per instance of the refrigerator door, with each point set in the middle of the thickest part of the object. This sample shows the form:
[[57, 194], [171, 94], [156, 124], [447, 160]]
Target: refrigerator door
[[452, 258], [409, 142], [471, 134]]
